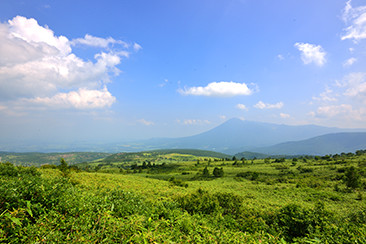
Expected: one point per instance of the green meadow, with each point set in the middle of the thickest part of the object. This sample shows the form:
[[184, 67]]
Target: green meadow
[[182, 197]]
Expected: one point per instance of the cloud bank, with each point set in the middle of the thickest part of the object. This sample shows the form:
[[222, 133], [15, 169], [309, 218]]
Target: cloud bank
[[38, 67]]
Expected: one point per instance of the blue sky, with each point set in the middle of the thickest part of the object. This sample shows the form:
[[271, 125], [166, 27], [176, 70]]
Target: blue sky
[[119, 70]]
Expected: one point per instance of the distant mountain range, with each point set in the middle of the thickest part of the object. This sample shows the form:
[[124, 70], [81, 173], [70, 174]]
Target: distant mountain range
[[232, 137], [236, 136], [320, 145]]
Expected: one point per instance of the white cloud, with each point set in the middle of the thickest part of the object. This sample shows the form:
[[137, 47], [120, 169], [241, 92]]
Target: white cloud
[[262, 105], [219, 89], [349, 62], [145, 122], [356, 18], [241, 106], [311, 53], [136, 47], [326, 96], [355, 84], [37, 65], [81, 99], [344, 110], [223, 117], [93, 41], [284, 116]]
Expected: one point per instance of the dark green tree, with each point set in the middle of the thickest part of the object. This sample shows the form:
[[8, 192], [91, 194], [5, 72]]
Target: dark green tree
[[205, 172], [218, 172], [352, 178], [64, 168]]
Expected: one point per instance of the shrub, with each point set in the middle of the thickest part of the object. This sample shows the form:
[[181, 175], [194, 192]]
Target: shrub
[[218, 172], [352, 178], [202, 202]]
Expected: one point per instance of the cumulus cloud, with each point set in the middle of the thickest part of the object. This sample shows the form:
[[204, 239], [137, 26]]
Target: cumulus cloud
[[311, 53], [81, 99], [241, 107], [356, 20], [38, 66], [349, 62], [262, 105], [219, 89]]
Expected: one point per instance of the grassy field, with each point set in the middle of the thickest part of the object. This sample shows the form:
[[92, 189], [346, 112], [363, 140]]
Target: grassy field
[[177, 198], [38, 159]]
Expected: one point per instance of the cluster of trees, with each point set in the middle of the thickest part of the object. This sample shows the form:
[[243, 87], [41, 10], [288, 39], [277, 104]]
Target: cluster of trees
[[217, 172]]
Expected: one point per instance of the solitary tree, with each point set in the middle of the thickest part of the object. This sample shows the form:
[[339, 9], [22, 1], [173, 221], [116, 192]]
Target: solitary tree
[[64, 168], [218, 172]]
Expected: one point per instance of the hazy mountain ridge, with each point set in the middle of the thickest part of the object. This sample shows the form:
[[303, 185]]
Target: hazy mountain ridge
[[325, 144], [236, 136], [232, 137]]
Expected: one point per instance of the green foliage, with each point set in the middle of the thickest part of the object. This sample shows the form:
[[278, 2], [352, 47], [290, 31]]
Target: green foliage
[[64, 168], [248, 175], [203, 202], [205, 172], [177, 182], [218, 172], [277, 204], [352, 178], [38, 159]]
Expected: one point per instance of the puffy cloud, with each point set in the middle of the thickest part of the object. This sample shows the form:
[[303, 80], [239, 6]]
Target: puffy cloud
[[81, 99], [349, 62], [36, 65], [219, 89], [356, 18], [311, 53], [241, 106], [262, 105]]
